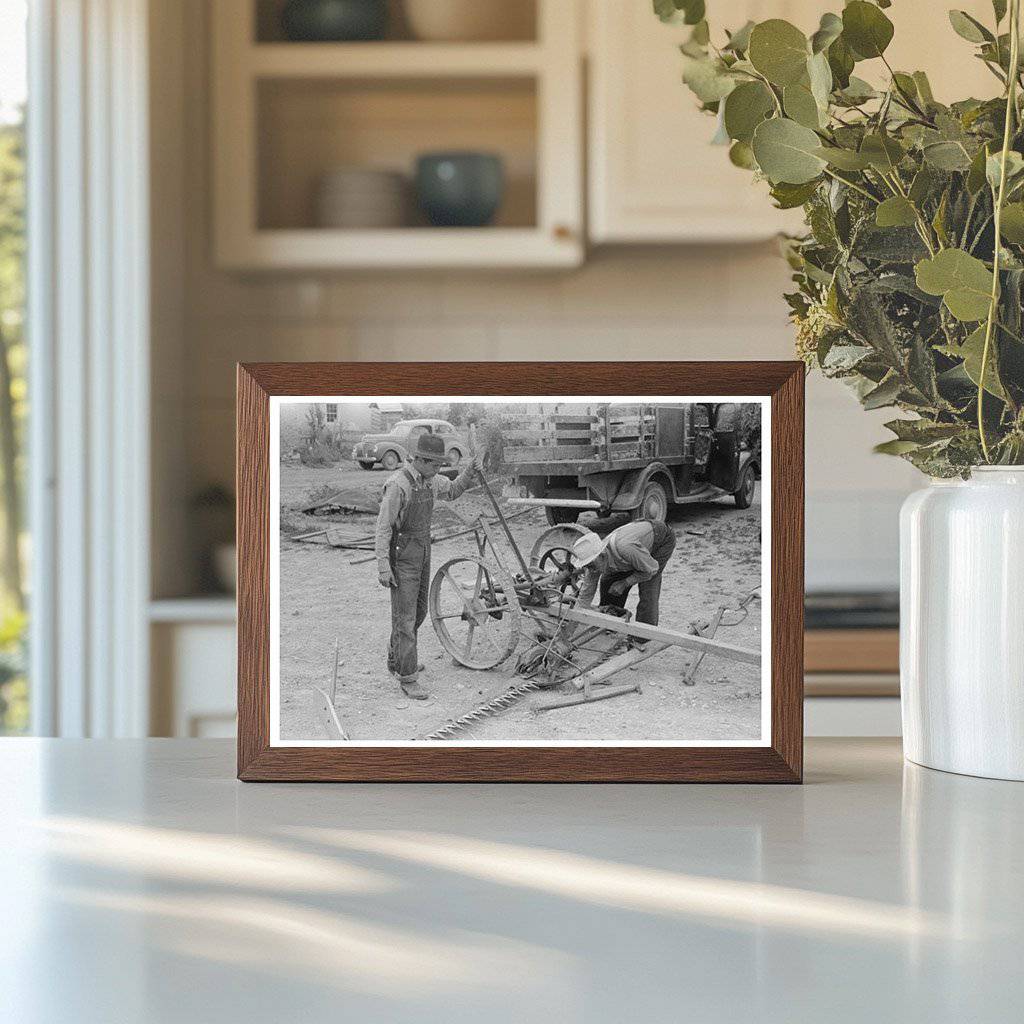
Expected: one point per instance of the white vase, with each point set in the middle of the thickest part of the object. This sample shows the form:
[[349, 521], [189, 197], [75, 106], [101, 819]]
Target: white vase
[[962, 624]]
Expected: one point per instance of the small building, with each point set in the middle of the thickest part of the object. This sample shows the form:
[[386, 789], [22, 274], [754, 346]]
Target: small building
[[384, 415]]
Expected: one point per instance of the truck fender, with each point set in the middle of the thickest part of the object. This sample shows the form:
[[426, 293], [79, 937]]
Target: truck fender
[[633, 483], [747, 458]]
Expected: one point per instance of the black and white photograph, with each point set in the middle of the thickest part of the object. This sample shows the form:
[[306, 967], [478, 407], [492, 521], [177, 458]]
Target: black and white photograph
[[509, 571]]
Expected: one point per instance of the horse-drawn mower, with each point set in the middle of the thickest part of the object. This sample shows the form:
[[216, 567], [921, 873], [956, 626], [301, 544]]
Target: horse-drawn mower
[[480, 607]]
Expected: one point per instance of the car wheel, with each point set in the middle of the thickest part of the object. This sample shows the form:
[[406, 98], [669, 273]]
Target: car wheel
[[390, 461], [366, 463], [745, 495], [653, 505], [556, 515], [454, 456]]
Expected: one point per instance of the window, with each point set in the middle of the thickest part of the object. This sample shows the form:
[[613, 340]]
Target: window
[[14, 692], [332, 412]]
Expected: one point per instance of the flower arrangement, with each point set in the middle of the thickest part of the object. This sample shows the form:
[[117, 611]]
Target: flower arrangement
[[910, 278]]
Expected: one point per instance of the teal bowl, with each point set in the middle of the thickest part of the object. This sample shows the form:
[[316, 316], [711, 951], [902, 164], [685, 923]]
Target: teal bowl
[[462, 190], [334, 21]]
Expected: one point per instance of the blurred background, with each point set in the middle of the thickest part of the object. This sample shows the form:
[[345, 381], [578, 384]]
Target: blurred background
[[250, 180]]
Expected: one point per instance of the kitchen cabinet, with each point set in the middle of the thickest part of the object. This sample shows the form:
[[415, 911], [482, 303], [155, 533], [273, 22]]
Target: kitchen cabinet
[[286, 115], [654, 177]]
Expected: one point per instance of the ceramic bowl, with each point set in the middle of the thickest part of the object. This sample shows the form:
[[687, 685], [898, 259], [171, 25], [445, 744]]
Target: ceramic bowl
[[460, 189], [333, 21], [470, 20]]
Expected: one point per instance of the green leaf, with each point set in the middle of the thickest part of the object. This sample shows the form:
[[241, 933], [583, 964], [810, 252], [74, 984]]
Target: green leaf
[[1012, 223], [829, 30], [924, 88], [801, 106], [779, 51], [741, 155], [885, 394], [857, 91], [840, 61], [883, 152], [922, 185], [866, 29], [963, 281], [739, 41], [707, 78], [993, 167], [947, 156], [895, 212], [690, 12], [819, 74], [844, 159], [788, 196], [969, 28], [976, 173], [971, 352], [922, 430], [786, 151], [895, 447], [745, 108], [999, 9]]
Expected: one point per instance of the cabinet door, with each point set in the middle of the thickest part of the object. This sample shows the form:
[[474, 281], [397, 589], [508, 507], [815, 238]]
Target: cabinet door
[[654, 177]]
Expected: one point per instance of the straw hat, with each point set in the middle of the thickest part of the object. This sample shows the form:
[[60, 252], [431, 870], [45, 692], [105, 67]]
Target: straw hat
[[587, 548]]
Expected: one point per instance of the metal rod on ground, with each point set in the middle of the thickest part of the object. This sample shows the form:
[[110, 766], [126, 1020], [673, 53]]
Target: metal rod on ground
[[585, 698], [334, 679], [334, 714]]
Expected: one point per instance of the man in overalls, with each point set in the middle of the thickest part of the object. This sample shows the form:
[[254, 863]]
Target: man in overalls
[[634, 554], [403, 549]]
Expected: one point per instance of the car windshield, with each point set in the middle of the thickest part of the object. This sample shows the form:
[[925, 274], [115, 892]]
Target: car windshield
[[401, 427]]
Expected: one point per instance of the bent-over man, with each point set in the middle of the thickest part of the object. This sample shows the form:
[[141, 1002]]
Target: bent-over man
[[403, 549], [634, 554]]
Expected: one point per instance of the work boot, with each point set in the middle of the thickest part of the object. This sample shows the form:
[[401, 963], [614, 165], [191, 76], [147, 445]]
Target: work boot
[[412, 688]]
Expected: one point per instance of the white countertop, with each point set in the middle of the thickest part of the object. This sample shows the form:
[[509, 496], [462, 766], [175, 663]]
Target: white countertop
[[140, 882]]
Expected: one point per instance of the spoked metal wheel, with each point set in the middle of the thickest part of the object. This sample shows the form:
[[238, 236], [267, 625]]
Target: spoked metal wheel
[[559, 560], [475, 612], [562, 536]]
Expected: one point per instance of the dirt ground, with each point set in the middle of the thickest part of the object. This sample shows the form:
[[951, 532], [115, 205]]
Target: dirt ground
[[325, 597]]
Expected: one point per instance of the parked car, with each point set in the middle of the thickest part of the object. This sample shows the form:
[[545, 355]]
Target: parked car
[[393, 448]]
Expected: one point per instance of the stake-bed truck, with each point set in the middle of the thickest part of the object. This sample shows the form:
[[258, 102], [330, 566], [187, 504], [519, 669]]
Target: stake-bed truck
[[640, 459]]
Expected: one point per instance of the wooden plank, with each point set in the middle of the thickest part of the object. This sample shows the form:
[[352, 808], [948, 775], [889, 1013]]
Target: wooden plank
[[529, 420], [623, 450], [562, 453], [621, 661], [589, 617]]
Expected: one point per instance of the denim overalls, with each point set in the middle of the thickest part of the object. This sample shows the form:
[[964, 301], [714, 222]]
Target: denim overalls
[[410, 563]]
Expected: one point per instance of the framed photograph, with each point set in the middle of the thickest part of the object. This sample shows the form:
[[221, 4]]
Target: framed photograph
[[579, 572]]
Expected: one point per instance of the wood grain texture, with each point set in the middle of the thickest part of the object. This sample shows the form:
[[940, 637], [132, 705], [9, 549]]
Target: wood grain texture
[[781, 762]]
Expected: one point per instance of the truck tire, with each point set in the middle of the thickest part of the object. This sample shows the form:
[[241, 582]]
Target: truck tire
[[744, 496], [390, 461], [366, 463], [454, 457], [557, 514], [653, 505]]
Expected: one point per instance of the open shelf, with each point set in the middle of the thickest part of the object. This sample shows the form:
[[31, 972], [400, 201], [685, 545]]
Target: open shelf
[[520, 24], [388, 60], [286, 114], [309, 127]]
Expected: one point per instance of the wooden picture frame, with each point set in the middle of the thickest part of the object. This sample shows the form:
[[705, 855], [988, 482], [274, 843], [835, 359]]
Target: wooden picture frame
[[778, 759]]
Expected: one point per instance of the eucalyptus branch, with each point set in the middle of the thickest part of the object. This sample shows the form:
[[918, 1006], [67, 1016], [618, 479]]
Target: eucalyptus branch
[[853, 185], [1011, 109]]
